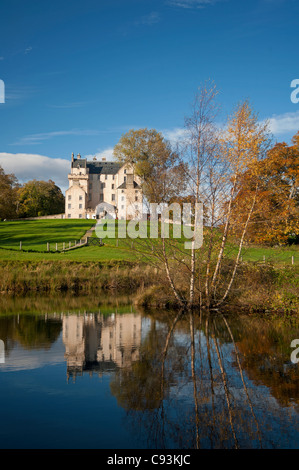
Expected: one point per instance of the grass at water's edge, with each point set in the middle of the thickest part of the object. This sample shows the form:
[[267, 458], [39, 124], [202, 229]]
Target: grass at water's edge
[[256, 288]]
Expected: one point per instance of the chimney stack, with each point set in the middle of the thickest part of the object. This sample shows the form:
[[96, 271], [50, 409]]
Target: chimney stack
[[130, 180], [78, 156], [72, 157]]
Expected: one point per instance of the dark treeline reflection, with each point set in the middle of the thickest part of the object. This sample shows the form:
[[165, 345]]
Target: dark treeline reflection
[[199, 381], [185, 380]]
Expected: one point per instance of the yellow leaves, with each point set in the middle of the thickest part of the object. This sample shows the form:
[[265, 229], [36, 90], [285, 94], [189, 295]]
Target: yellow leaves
[[244, 139]]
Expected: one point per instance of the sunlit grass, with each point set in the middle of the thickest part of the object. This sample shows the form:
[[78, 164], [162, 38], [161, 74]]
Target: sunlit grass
[[36, 234]]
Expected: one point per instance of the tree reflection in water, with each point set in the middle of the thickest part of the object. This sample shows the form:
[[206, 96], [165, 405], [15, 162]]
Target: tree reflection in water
[[185, 380], [196, 356]]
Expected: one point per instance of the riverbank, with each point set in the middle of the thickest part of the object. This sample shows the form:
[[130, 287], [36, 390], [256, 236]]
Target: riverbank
[[257, 288]]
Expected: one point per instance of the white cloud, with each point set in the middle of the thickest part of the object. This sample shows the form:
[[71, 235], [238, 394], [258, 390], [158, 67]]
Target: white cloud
[[150, 19], [174, 135], [75, 104], [284, 123], [38, 138], [188, 4], [31, 166], [107, 153]]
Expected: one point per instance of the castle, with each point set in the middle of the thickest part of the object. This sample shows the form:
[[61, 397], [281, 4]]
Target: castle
[[102, 189]]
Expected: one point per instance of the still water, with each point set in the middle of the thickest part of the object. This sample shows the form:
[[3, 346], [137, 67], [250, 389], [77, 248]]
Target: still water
[[79, 373]]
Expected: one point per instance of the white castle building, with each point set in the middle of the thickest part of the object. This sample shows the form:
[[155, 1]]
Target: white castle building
[[102, 188]]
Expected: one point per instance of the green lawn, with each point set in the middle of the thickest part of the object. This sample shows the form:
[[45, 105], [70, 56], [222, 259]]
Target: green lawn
[[274, 255], [35, 235]]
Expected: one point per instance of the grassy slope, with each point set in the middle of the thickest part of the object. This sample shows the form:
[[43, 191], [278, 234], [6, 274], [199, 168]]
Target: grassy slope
[[35, 235]]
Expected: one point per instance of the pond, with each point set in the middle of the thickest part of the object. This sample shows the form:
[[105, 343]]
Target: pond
[[83, 373]]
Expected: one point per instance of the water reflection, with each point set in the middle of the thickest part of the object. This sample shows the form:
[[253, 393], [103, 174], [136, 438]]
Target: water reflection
[[192, 386], [183, 380], [96, 343]]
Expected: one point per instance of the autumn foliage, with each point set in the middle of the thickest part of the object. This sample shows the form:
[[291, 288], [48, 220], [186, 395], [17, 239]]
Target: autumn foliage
[[275, 179]]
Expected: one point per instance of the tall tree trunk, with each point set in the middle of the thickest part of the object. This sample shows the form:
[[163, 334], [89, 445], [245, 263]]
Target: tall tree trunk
[[171, 283], [210, 247], [239, 251], [225, 233]]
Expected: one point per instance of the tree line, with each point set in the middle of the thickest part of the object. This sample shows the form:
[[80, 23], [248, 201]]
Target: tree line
[[32, 199], [226, 170], [249, 189]]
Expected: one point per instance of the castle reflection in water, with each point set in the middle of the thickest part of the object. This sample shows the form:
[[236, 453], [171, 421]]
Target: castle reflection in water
[[96, 343]]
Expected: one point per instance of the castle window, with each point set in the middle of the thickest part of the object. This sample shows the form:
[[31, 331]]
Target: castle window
[[125, 171], [125, 178], [80, 198], [123, 198], [113, 177], [112, 186], [136, 198], [122, 207], [112, 197], [80, 206], [80, 216], [69, 198], [69, 216], [69, 206], [106, 177], [103, 185]]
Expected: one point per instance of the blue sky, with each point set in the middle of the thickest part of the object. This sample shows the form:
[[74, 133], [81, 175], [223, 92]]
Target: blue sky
[[79, 74]]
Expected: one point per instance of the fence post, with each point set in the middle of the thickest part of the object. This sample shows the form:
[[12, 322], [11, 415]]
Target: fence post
[[264, 258], [56, 246], [70, 244], [48, 246], [292, 259], [63, 246], [20, 245]]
